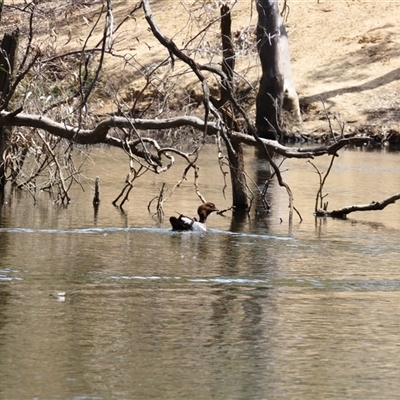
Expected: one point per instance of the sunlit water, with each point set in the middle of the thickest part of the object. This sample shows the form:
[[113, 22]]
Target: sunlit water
[[115, 305]]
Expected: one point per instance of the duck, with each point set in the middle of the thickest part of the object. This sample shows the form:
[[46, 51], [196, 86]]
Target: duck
[[183, 223]]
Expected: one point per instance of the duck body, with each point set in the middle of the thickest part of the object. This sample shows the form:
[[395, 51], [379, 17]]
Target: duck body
[[183, 223]]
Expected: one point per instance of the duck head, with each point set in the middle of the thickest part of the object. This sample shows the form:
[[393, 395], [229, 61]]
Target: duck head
[[205, 210]]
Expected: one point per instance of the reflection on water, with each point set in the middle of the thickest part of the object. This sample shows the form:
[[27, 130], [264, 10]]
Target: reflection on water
[[251, 309]]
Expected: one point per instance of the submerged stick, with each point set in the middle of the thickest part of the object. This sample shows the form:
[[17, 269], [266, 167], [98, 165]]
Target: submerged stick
[[96, 198]]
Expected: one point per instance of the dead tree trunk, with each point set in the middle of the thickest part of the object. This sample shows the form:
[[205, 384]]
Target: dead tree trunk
[[270, 94], [7, 59], [228, 53], [238, 178], [235, 149]]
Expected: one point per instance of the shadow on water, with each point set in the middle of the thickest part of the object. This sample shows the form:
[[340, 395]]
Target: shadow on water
[[239, 220]]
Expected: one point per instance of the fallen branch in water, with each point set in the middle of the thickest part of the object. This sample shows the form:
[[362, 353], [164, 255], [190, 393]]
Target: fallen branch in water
[[373, 206], [103, 133]]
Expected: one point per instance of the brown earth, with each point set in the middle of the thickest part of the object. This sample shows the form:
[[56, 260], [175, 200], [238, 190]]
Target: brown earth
[[347, 53], [345, 57]]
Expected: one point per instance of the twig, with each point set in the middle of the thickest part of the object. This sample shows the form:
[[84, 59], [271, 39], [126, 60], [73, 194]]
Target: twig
[[322, 181], [63, 196], [196, 186], [160, 202]]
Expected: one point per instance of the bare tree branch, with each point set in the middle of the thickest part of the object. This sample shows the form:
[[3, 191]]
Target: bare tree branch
[[320, 197], [100, 133], [173, 50], [373, 206]]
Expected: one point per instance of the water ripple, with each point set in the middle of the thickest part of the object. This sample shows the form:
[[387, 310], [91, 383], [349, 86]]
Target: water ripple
[[221, 280], [330, 285], [5, 275], [106, 230]]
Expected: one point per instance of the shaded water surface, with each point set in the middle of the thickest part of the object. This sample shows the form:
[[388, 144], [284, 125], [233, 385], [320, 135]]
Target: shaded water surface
[[253, 309]]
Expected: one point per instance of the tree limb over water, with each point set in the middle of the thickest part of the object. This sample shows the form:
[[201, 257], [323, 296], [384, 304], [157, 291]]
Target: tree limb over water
[[373, 206], [100, 134]]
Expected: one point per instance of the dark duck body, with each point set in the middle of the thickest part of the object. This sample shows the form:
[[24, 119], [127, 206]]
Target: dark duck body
[[183, 223]]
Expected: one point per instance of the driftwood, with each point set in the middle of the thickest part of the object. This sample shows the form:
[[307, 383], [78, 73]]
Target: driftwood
[[373, 206]]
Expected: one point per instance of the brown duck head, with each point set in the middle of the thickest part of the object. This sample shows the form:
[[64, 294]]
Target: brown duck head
[[205, 210]]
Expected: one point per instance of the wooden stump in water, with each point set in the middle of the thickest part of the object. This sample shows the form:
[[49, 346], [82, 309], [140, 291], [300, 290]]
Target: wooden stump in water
[[96, 198]]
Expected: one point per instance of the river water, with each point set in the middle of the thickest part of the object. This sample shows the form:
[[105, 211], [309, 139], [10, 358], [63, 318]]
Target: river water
[[253, 309]]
